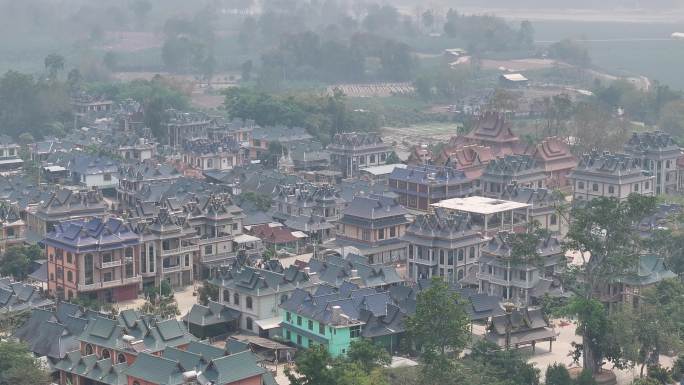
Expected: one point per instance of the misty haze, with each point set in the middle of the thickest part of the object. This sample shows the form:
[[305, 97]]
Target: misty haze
[[341, 192]]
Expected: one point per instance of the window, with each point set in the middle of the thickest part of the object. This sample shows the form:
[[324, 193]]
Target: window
[[70, 276], [288, 316], [365, 235], [236, 299], [310, 325], [594, 187], [226, 296], [208, 250], [121, 358], [381, 234], [553, 220], [321, 328], [60, 273], [129, 270], [107, 177], [667, 164], [611, 190], [460, 255], [107, 257], [88, 349], [106, 354], [393, 232], [70, 257], [523, 275], [636, 186], [249, 322], [310, 343], [299, 339], [355, 331], [460, 275], [187, 259], [471, 253], [580, 185], [108, 276], [372, 158], [647, 185], [248, 302], [299, 320], [441, 257], [288, 335]]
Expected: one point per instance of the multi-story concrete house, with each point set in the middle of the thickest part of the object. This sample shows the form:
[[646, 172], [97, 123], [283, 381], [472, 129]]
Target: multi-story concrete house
[[96, 258], [218, 225], [375, 225], [492, 130], [132, 178], [12, 228], [547, 207], [9, 155], [168, 248], [336, 317], [91, 170], [554, 156], [522, 170], [657, 152], [205, 154], [520, 279], [262, 137], [351, 151], [309, 208], [183, 126], [257, 294], [443, 244], [135, 148], [64, 205], [420, 186], [610, 175]]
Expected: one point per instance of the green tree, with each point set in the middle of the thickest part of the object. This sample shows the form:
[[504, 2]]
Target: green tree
[[603, 228], [586, 377], [367, 355], [440, 324], [17, 260], [19, 367], [54, 64], [208, 292], [314, 367], [164, 307], [557, 374]]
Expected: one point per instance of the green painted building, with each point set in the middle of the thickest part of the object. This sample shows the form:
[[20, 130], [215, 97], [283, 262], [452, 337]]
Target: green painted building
[[335, 317]]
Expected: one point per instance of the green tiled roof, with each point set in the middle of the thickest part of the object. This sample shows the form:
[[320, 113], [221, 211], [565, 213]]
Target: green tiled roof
[[157, 370], [229, 369]]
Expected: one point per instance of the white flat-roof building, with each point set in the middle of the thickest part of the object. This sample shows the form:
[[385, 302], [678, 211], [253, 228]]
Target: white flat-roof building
[[493, 215]]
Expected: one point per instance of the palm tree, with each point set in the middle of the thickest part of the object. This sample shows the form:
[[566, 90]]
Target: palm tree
[[54, 63]]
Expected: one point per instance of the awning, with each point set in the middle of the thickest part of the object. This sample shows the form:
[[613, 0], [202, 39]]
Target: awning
[[299, 234], [245, 238], [269, 323], [11, 161], [54, 168]]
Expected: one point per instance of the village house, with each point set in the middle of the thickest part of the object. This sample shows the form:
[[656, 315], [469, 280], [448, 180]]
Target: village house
[[334, 317], [335, 270], [610, 175], [218, 225], [133, 177], [307, 155], [520, 279], [657, 153], [418, 187], [546, 207], [522, 170], [443, 244], [91, 170], [308, 208], [168, 248], [379, 174], [277, 238], [183, 126], [648, 271], [12, 228], [88, 104], [375, 225], [520, 327], [64, 205], [97, 258], [262, 137], [10, 162], [351, 151], [256, 294], [492, 130], [554, 156], [205, 154], [16, 297], [135, 148]]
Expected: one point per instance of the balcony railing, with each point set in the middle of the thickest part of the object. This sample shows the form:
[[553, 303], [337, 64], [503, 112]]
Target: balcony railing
[[170, 269], [217, 257], [107, 265], [107, 284], [220, 238], [500, 281], [180, 250]]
